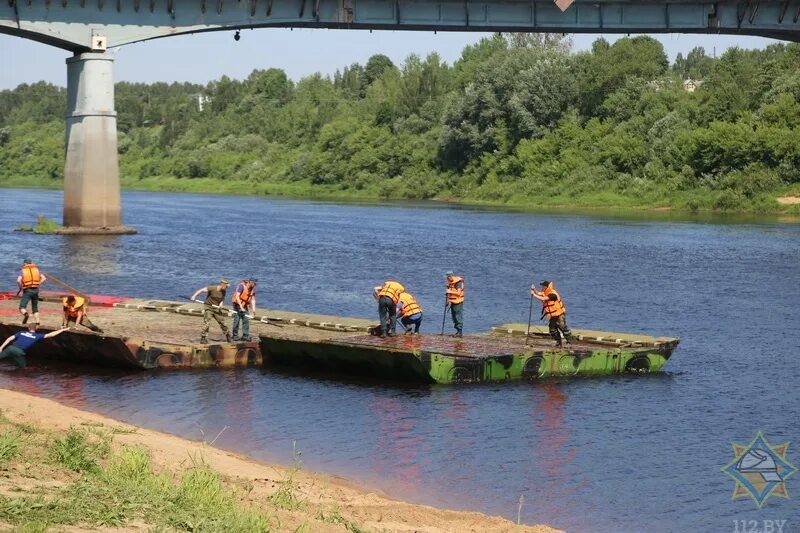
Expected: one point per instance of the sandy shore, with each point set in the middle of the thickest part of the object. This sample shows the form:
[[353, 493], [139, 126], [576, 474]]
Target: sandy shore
[[372, 511]]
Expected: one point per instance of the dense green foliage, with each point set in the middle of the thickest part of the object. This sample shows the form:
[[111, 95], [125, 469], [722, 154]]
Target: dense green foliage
[[519, 120]]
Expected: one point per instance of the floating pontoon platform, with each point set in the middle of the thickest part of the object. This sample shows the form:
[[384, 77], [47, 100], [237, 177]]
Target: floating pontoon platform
[[149, 334]]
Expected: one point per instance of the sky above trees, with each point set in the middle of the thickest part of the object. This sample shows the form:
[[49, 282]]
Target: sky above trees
[[205, 57]]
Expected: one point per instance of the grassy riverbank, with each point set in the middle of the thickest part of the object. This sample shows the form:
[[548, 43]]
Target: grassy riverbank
[[696, 203], [62, 469], [653, 199]]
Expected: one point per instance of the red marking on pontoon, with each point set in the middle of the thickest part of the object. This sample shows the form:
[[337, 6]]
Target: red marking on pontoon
[[99, 300], [12, 312], [105, 300]]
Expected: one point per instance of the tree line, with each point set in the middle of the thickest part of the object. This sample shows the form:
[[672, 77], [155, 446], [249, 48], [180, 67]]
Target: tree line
[[519, 119]]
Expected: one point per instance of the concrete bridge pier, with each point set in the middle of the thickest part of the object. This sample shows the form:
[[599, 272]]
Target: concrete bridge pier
[[91, 171]]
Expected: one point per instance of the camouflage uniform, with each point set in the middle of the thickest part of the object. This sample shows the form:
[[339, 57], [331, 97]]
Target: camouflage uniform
[[209, 313], [557, 326], [214, 299]]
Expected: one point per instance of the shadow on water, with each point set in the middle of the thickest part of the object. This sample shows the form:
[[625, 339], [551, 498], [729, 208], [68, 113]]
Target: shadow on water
[[332, 377]]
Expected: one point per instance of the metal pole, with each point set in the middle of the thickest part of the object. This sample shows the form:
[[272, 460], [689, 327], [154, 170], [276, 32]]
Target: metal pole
[[444, 314], [73, 290], [530, 312]]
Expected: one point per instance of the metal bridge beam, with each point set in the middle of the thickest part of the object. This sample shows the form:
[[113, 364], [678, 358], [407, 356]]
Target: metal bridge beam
[[70, 24]]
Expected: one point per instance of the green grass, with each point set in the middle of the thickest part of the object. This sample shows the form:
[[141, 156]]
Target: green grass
[[46, 226], [10, 444], [686, 203], [78, 452], [335, 517], [126, 488], [678, 202], [77, 479], [286, 496]]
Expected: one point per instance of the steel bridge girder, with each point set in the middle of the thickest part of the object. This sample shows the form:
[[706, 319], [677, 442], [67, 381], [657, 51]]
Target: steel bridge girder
[[72, 24]]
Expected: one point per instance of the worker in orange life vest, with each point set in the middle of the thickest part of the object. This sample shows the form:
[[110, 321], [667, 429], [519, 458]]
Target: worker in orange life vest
[[455, 300], [553, 309], [75, 312], [388, 295], [29, 281], [244, 301], [410, 312]]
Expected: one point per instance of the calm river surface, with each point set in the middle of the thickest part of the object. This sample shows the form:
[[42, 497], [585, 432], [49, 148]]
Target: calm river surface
[[623, 454]]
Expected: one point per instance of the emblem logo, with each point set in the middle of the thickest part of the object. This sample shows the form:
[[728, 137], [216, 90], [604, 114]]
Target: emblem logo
[[760, 470]]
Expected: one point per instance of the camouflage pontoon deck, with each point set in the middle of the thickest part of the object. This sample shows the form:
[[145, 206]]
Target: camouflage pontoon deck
[[157, 333]]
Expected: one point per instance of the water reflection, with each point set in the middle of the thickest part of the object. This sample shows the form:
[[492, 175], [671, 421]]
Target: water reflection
[[91, 254], [397, 437], [554, 453]]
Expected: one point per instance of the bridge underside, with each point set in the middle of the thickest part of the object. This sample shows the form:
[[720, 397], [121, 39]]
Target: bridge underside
[[78, 24]]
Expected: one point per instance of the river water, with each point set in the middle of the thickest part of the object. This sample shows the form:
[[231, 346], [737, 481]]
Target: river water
[[629, 453]]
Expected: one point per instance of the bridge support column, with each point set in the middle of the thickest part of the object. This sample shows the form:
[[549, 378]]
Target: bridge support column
[[91, 171]]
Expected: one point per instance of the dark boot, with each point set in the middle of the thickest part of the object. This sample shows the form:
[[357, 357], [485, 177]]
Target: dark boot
[[25, 317], [204, 340], [228, 337]]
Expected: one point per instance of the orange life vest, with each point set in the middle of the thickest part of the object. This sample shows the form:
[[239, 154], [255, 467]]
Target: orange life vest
[[550, 308], [410, 305], [72, 310], [393, 290], [455, 295], [245, 296], [31, 278]]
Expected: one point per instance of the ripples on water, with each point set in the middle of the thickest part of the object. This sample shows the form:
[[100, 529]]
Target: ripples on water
[[614, 454]]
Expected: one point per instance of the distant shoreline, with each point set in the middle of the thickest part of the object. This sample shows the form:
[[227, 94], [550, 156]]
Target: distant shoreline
[[787, 209]]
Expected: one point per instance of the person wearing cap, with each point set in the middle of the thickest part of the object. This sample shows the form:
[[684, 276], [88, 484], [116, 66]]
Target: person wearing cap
[[215, 297], [455, 300], [410, 312], [29, 281], [553, 309], [75, 313], [244, 300], [17, 345], [388, 295]]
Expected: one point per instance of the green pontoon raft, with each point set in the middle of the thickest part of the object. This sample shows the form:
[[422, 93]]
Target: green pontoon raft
[[150, 334]]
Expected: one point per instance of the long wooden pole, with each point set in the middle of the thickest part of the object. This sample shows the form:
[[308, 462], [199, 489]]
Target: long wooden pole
[[68, 287]]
